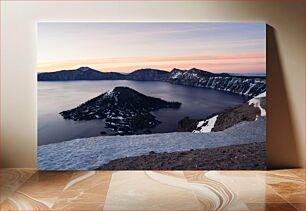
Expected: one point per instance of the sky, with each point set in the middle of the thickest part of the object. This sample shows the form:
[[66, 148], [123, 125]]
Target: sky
[[125, 47]]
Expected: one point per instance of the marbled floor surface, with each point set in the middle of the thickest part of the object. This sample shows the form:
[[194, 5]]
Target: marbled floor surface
[[28, 189]]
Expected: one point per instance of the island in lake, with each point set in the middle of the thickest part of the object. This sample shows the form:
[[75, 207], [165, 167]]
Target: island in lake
[[124, 109]]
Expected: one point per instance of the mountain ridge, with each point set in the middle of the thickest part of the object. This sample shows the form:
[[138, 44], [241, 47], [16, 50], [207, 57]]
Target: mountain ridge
[[81, 73], [243, 85]]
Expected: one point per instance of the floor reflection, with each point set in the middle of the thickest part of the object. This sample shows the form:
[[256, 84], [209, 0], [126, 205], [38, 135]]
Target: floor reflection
[[28, 189]]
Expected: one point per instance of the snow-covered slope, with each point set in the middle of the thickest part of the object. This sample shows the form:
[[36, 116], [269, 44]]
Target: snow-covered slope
[[256, 102], [90, 153], [242, 85]]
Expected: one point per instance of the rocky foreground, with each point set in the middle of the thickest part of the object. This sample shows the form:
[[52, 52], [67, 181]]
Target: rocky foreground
[[92, 153], [236, 157], [248, 111]]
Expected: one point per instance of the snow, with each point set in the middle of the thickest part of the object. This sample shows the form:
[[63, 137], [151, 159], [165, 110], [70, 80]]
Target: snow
[[208, 127], [261, 95], [230, 84], [256, 102], [116, 117], [251, 86], [110, 93], [176, 75], [90, 153]]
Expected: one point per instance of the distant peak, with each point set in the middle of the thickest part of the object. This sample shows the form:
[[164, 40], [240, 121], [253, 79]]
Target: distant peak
[[195, 69], [148, 69], [176, 69], [224, 74], [84, 68], [119, 88]]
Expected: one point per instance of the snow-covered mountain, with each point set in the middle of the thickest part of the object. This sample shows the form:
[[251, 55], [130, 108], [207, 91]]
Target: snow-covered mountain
[[243, 85]]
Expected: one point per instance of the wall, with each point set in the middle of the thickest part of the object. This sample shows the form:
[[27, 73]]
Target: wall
[[285, 62]]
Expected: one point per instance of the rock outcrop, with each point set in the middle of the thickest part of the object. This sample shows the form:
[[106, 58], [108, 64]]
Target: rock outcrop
[[125, 110]]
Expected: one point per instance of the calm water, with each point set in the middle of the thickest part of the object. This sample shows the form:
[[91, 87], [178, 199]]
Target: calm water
[[54, 97]]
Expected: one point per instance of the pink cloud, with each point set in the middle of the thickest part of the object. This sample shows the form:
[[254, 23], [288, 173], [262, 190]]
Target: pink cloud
[[247, 62]]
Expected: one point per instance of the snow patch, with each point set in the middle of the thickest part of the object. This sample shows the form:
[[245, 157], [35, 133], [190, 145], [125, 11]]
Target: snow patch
[[110, 92], [251, 86], [261, 95], [176, 75], [208, 125], [256, 103]]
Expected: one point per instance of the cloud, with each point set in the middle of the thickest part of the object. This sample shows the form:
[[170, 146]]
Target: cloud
[[78, 41]]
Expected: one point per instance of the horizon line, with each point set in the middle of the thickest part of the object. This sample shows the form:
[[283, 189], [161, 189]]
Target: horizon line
[[148, 68]]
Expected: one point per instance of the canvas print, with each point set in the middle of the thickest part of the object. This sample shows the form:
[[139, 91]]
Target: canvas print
[[151, 96]]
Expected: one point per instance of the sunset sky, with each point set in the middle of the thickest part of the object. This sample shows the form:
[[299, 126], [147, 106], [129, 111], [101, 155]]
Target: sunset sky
[[124, 47]]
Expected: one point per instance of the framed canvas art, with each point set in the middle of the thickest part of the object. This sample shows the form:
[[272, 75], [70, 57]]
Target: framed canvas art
[[151, 96]]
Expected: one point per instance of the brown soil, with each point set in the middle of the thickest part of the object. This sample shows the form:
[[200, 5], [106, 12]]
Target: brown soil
[[226, 118], [245, 156], [230, 117]]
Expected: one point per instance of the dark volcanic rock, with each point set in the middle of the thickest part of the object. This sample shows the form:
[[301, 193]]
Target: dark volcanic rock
[[187, 125], [124, 110]]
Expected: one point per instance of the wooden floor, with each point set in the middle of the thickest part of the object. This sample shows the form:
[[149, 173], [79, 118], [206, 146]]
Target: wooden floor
[[26, 189]]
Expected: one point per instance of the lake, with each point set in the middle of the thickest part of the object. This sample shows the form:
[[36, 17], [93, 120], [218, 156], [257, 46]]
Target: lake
[[54, 97]]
